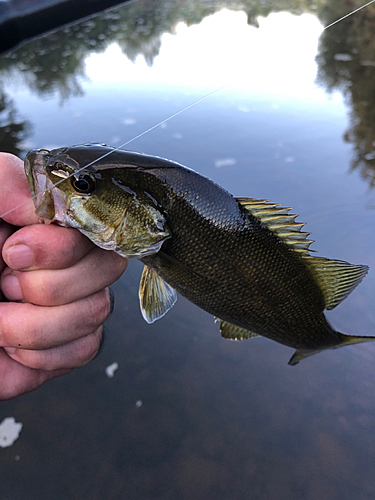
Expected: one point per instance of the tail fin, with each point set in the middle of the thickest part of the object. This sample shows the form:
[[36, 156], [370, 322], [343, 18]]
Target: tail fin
[[345, 340]]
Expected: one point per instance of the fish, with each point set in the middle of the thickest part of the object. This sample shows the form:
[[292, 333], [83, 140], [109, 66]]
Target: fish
[[245, 261]]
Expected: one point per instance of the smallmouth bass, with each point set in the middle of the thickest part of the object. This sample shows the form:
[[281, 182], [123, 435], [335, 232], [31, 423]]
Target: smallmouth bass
[[245, 261]]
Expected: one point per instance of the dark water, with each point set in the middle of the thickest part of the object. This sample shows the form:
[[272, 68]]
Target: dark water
[[188, 415]]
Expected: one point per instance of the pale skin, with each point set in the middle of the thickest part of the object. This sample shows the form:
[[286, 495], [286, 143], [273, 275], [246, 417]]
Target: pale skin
[[57, 292]]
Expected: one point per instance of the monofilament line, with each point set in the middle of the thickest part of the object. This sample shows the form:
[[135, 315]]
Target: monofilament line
[[151, 128], [350, 13], [169, 118], [124, 144], [193, 104]]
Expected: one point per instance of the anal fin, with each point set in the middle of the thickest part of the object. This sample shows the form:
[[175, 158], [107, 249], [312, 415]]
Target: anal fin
[[233, 332]]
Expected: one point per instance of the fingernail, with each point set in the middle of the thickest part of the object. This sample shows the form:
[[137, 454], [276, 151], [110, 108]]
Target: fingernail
[[19, 257], [11, 288], [9, 350]]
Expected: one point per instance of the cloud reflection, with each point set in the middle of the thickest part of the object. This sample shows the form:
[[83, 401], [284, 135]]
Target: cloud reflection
[[279, 55]]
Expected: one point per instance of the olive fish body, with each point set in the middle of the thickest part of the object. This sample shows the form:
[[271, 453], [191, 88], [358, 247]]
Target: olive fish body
[[245, 261]]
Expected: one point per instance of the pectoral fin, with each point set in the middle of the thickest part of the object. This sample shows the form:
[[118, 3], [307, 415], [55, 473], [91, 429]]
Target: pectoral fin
[[155, 295], [233, 332]]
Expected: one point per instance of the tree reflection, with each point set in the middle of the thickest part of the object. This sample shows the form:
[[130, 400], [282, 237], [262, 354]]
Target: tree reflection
[[12, 130], [55, 62], [346, 62]]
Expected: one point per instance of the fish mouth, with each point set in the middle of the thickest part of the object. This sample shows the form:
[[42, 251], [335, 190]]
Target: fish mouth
[[49, 201]]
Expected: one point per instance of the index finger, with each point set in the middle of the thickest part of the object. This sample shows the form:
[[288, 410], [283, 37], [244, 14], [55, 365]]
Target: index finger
[[16, 205]]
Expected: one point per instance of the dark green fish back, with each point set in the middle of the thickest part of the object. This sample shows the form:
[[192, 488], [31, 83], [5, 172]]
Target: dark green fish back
[[234, 267], [245, 261]]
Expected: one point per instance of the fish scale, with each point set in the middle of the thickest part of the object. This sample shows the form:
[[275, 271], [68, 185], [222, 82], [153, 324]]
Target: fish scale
[[245, 261], [253, 292]]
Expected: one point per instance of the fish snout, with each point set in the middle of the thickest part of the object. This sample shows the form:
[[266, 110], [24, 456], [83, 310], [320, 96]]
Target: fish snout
[[40, 185]]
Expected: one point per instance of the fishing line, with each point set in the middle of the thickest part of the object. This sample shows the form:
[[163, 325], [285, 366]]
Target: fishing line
[[193, 104], [350, 13], [149, 129], [118, 148], [166, 120]]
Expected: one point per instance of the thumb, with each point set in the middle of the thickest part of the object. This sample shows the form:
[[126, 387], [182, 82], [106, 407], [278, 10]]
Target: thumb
[[16, 206]]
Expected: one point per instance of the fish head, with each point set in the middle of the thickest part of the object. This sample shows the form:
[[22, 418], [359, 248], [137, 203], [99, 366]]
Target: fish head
[[96, 200]]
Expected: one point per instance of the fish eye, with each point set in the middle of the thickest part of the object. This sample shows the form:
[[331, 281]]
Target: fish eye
[[83, 183]]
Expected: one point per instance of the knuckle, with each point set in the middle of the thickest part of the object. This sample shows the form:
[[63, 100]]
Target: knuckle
[[43, 291], [73, 246], [52, 293], [100, 307], [121, 264], [114, 265], [72, 355], [39, 360], [89, 348], [34, 359], [69, 242]]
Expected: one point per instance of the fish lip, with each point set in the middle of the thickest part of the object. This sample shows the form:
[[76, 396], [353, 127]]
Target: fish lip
[[41, 187], [36, 174], [50, 202], [34, 163]]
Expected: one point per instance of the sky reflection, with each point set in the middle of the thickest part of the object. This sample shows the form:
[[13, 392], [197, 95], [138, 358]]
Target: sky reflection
[[279, 56], [172, 410]]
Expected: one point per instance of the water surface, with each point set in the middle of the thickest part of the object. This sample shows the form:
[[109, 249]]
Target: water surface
[[187, 414]]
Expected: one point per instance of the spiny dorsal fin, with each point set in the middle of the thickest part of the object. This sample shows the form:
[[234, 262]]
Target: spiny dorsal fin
[[233, 332], [280, 222], [336, 278], [156, 297]]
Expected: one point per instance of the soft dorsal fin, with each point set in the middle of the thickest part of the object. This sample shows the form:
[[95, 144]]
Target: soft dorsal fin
[[156, 297], [233, 332], [280, 222], [336, 278]]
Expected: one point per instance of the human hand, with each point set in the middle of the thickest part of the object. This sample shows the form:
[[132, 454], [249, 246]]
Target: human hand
[[57, 291]]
